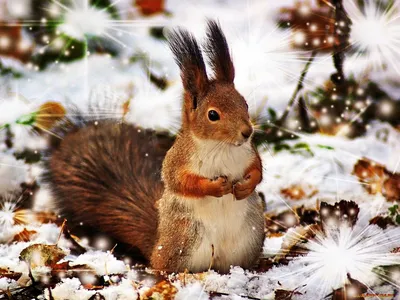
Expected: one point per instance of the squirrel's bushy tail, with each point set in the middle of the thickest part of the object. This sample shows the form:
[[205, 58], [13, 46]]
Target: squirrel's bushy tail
[[107, 175]]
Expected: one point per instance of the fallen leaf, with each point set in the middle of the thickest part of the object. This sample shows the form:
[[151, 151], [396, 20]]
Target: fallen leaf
[[343, 212], [298, 192], [163, 289], [281, 294], [24, 236], [371, 174], [351, 291], [278, 224], [381, 221], [150, 7], [391, 187], [292, 244], [42, 255], [5, 273], [49, 114]]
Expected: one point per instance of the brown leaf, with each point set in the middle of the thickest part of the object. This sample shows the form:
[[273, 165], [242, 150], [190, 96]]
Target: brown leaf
[[5, 273], [281, 222], [150, 7], [49, 114], [278, 224], [377, 179], [371, 174], [396, 250], [164, 289], [312, 26], [292, 244], [308, 216], [42, 255], [24, 236], [285, 294], [298, 192], [351, 291], [391, 187], [343, 212], [381, 221], [13, 31]]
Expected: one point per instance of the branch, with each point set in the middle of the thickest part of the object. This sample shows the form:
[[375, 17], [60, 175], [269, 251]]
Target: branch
[[299, 87], [342, 33]]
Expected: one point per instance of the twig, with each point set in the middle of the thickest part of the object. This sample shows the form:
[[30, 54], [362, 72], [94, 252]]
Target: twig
[[218, 294], [303, 115], [342, 33], [61, 230], [299, 87]]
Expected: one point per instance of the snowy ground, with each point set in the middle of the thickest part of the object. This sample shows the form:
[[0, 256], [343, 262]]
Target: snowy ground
[[328, 170], [324, 172]]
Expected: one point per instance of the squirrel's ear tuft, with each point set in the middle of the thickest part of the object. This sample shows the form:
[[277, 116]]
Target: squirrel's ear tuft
[[218, 52], [190, 61]]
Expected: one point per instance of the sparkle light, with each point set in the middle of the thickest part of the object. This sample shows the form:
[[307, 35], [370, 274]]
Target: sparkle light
[[7, 214], [346, 250], [86, 20], [376, 32], [4, 42]]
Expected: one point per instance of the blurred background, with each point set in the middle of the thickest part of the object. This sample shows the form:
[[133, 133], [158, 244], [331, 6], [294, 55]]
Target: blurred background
[[322, 80], [80, 51]]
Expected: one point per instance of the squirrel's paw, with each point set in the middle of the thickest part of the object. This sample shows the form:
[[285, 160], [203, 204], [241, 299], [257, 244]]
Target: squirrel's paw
[[243, 188], [220, 186]]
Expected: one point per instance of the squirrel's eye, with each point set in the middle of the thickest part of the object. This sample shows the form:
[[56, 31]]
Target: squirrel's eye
[[213, 115]]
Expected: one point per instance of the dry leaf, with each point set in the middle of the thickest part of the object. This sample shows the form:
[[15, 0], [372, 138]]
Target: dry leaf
[[5, 273], [371, 174], [391, 187], [163, 289], [24, 236], [278, 224], [312, 25], [298, 192], [42, 255], [377, 179], [150, 7], [343, 212], [49, 114], [381, 221], [292, 243], [285, 294], [351, 291]]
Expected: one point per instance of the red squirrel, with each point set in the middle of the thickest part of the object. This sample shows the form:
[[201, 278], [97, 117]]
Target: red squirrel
[[202, 211]]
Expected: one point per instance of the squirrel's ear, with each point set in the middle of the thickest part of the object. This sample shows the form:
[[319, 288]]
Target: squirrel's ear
[[218, 52], [190, 61]]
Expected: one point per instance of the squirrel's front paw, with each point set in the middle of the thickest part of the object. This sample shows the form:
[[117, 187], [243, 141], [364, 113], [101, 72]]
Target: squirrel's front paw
[[243, 188], [220, 186]]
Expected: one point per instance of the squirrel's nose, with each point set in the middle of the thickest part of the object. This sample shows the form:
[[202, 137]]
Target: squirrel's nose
[[246, 133]]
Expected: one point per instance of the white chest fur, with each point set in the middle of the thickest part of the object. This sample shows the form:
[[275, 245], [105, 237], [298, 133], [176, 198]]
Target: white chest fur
[[223, 219], [214, 159]]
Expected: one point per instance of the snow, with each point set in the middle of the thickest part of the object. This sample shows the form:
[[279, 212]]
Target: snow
[[267, 70], [102, 262], [192, 291], [13, 172]]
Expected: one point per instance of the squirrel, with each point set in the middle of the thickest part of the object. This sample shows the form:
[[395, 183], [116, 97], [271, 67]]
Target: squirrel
[[192, 206]]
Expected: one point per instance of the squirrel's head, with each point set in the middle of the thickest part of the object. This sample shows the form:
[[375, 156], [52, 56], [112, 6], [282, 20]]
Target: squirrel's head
[[213, 108]]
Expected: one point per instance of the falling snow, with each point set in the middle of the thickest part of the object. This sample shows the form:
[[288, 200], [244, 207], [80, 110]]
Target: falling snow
[[267, 70]]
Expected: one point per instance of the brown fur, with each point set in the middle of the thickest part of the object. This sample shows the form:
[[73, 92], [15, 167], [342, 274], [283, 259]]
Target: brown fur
[[100, 175], [175, 250]]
